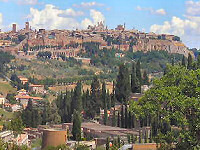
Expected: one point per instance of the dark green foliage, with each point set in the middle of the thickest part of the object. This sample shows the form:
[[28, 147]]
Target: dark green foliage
[[138, 71], [126, 117], [76, 99], [46, 54], [108, 143], [173, 100], [189, 66], [122, 117], [76, 130], [5, 58], [118, 119], [122, 89], [114, 118], [183, 61], [96, 102], [145, 78], [31, 116], [105, 119]]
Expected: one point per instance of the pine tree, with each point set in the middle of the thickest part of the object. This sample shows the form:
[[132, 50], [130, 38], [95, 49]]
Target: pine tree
[[189, 61], [76, 129], [183, 61], [122, 117]]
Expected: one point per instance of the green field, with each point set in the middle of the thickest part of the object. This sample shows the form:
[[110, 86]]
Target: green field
[[5, 116], [5, 88]]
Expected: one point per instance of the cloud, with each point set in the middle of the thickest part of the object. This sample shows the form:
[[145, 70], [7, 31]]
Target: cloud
[[1, 20], [88, 5], [152, 11], [193, 8], [28, 2], [71, 12], [52, 17]]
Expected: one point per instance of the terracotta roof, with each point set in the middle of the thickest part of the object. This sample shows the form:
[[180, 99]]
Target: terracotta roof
[[34, 85]]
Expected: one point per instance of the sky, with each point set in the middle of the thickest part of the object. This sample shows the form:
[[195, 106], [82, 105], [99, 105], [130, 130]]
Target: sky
[[178, 17]]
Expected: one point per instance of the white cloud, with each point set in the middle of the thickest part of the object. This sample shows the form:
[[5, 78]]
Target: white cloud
[[1, 20], [193, 8], [28, 2], [52, 17], [97, 16], [152, 11], [88, 4]]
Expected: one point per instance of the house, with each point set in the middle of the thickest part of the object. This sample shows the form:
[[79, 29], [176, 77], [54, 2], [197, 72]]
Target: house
[[36, 88], [15, 107], [23, 79], [2, 100], [6, 136], [22, 139]]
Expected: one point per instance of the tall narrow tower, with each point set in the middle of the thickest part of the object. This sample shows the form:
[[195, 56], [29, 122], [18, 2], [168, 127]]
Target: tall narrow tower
[[27, 26], [14, 28]]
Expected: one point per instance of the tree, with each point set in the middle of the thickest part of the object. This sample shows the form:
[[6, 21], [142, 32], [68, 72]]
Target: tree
[[105, 116], [96, 96], [122, 117], [114, 118], [122, 89], [76, 129], [118, 119], [173, 100], [138, 71], [126, 117], [76, 99], [183, 61], [189, 61], [108, 143], [145, 78]]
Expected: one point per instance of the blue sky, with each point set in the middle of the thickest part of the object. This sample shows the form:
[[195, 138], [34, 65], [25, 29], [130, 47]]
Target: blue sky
[[180, 17]]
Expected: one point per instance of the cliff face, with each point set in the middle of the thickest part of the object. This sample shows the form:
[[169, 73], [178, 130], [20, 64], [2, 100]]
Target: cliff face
[[170, 46]]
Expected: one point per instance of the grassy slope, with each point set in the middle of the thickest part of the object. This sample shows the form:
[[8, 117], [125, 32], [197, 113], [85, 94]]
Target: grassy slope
[[5, 88]]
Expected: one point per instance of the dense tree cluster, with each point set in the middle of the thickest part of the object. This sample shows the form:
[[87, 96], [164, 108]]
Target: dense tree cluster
[[5, 58], [171, 107]]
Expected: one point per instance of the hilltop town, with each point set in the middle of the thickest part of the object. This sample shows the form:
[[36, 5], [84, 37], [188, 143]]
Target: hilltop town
[[97, 88], [28, 42]]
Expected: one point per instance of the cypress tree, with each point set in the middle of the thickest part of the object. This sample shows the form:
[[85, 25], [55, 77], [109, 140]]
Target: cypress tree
[[114, 119], [113, 98], [103, 95], [129, 120], [189, 61], [198, 61], [138, 72], [126, 117], [96, 96], [133, 79], [140, 136], [145, 136], [183, 61], [118, 119], [119, 141], [108, 100], [107, 143], [122, 117], [122, 89], [76, 129], [145, 78], [173, 61], [105, 116]]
